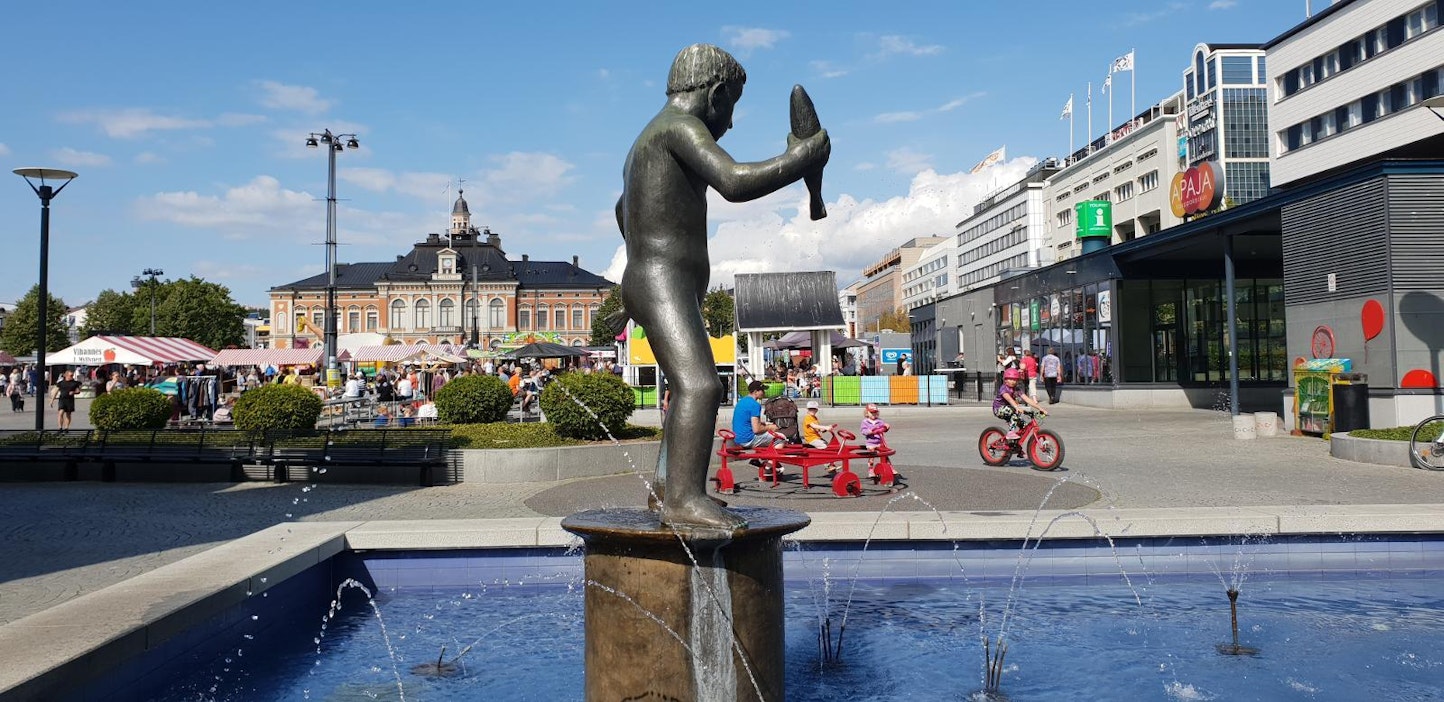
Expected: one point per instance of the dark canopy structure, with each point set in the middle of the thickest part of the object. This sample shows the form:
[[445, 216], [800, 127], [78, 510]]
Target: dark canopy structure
[[802, 304]]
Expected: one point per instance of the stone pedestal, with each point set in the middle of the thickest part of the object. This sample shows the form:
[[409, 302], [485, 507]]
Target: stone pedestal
[[694, 614]]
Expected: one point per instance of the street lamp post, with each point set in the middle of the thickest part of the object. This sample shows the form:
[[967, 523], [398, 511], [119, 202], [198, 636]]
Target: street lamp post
[[46, 193], [135, 283], [334, 144]]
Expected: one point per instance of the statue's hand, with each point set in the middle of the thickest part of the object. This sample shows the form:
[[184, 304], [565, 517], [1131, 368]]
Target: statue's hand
[[814, 150]]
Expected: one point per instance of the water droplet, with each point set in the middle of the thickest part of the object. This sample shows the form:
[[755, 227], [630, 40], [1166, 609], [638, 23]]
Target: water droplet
[[255, 617]]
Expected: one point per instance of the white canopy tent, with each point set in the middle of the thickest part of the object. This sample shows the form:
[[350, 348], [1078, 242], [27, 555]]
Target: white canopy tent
[[130, 350]]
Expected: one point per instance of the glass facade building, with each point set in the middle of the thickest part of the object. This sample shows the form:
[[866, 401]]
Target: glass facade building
[[1226, 119]]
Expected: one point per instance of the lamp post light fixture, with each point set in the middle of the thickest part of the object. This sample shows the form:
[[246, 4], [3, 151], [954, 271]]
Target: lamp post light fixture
[[135, 284], [334, 143], [47, 192]]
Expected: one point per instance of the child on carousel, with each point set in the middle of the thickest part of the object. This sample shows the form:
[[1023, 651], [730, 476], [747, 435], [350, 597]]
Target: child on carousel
[[1008, 404]]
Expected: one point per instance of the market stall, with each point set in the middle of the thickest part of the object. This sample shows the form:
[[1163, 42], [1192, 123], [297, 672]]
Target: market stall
[[131, 351], [260, 358]]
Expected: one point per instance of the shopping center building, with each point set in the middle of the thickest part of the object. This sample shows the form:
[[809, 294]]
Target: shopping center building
[[1304, 175]]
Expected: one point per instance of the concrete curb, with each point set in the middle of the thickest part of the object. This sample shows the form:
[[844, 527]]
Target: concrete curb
[[555, 463], [1377, 451]]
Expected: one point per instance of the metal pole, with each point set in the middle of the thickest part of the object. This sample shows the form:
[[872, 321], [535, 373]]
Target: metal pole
[[45, 193], [330, 331], [152, 304], [1228, 281], [476, 310]]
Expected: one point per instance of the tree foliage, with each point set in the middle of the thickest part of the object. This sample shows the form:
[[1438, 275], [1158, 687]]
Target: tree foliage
[[896, 320], [17, 337], [588, 405], [111, 313], [717, 311], [194, 309], [277, 408], [602, 334], [130, 408], [473, 399]]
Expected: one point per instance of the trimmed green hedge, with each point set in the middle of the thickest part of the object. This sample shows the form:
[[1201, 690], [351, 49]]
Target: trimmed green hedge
[[277, 408], [607, 397], [501, 435], [130, 408], [1430, 433], [473, 399]]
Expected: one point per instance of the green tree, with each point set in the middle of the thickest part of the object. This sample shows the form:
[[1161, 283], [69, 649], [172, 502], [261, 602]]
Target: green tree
[[717, 311], [602, 333], [896, 320], [17, 337], [111, 313], [194, 309]]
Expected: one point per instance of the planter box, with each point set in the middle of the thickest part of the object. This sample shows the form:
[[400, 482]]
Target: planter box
[[1379, 451]]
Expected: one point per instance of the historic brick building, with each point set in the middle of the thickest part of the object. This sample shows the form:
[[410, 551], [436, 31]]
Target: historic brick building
[[448, 289]]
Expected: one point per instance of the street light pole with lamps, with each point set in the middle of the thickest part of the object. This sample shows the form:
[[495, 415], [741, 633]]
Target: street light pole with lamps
[[135, 283], [46, 193], [334, 144]]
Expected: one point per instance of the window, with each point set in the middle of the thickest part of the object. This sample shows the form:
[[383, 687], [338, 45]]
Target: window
[[1148, 181], [496, 313], [318, 317], [542, 314], [1065, 218], [1104, 196], [523, 318], [373, 318], [561, 317], [1123, 192], [577, 313], [423, 314], [1212, 74], [1261, 72], [592, 314], [1237, 70], [398, 314], [353, 319], [446, 313]]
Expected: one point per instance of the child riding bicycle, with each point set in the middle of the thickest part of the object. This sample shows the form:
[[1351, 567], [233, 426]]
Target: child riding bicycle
[[1008, 404]]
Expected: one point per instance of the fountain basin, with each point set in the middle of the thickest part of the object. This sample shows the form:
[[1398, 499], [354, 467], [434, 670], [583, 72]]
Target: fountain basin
[[153, 620]]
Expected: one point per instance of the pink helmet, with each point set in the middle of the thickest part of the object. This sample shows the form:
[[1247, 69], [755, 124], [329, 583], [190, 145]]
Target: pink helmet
[[1012, 374]]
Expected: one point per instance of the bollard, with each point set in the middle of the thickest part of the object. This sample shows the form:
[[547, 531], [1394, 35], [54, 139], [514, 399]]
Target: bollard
[[1243, 426], [1266, 424]]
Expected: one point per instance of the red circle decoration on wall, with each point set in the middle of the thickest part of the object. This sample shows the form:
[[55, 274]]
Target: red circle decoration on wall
[[1372, 317], [1418, 378], [1322, 343]]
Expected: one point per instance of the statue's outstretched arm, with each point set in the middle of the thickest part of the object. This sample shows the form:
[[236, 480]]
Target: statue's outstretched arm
[[740, 182]]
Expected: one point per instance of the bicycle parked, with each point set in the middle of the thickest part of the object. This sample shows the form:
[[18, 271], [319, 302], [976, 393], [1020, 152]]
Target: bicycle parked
[[1426, 444], [1042, 447]]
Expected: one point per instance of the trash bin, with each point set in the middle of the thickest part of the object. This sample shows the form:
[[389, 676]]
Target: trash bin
[[1351, 405]]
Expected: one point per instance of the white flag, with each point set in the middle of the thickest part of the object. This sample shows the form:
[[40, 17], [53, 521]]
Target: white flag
[[1107, 83], [1067, 109], [991, 159], [1122, 63]]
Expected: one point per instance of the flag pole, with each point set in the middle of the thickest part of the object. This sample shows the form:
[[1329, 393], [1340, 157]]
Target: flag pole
[[1132, 85], [1090, 116], [1070, 126], [1109, 86]]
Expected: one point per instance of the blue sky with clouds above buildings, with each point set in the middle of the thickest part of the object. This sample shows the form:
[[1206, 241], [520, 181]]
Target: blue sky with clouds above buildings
[[187, 120]]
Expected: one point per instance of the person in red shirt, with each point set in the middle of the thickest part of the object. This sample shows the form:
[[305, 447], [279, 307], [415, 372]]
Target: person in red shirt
[[1030, 372]]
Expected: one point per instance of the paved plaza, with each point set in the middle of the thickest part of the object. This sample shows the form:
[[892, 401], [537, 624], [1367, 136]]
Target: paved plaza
[[62, 540]]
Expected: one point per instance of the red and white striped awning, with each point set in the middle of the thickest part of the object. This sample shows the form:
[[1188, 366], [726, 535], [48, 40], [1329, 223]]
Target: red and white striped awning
[[396, 353], [267, 357], [130, 350], [7, 360]]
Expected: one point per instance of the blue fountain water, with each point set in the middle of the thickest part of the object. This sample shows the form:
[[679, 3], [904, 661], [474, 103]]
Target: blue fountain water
[[1322, 640]]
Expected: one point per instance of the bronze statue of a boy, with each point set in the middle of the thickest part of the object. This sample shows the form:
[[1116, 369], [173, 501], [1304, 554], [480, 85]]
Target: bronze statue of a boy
[[663, 217]]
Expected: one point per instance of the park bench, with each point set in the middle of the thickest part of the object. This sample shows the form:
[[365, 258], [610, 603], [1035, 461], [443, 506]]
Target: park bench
[[201, 446], [50, 446], [423, 449]]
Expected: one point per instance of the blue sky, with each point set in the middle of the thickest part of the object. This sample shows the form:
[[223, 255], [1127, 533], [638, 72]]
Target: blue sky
[[186, 122]]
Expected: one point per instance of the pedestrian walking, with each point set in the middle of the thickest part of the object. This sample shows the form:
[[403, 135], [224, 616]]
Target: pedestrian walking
[[1052, 370]]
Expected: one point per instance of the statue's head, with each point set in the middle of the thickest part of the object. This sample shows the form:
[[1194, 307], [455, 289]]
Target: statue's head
[[709, 68]]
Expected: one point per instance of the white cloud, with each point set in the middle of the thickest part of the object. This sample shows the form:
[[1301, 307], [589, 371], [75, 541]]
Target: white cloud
[[4, 150], [72, 157], [895, 117], [148, 157], [132, 122], [261, 205], [299, 98], [747, 39], [827, 69], [906, 160], [530, 175], [915, 115], [1134, 19], [775, 234], [1222, 4], [864, 166], [892, 44]]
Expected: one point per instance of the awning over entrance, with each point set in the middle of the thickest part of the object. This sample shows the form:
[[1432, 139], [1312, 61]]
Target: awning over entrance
[[130, 350]]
